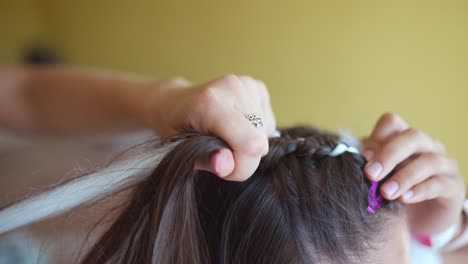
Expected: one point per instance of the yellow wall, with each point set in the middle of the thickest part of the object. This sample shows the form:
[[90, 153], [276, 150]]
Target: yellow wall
[[331, 63], [20, 24]]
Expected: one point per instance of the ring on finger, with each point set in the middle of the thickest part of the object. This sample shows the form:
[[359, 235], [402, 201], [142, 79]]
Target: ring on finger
[[255, 120]]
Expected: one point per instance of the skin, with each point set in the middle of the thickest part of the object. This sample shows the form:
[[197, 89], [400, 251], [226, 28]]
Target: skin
[[423, 174], [69, 102], [395, 246]]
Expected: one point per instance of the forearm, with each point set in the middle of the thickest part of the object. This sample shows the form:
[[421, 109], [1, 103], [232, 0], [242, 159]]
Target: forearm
[[57, 101], [456, 251]]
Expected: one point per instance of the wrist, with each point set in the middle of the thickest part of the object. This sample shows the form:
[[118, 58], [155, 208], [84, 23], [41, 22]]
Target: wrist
[[131, 100], [454, 237], [461, 238], [151, 98]]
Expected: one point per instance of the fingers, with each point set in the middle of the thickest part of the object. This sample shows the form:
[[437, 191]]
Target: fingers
[[215, 114], [423, 172], [427, 190], [415, 172], [448, 187], [389, 124], [220, 163], [248, 143], [398, 149], [264, 102]]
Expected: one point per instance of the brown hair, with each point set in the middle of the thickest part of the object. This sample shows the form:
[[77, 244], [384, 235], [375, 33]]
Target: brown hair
[[300, 206]]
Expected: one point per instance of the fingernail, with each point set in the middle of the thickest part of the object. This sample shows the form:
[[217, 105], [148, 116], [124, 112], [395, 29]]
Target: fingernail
[[390, 188], [374, 169], [220, 165], [408, 195], [223, 164]]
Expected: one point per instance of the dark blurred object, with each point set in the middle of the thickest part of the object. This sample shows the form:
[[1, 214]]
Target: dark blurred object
[[39, 54]]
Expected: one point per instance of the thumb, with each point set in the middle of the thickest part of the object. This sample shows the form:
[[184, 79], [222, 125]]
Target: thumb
[[220, 163]]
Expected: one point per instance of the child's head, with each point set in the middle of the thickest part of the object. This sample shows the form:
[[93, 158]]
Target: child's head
[[302, 205]]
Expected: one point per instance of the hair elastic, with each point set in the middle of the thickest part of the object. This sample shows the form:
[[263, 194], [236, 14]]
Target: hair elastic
[[276, 134], [342, 148], [374, 199]]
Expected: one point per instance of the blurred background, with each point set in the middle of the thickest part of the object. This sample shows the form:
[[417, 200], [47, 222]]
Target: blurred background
[[331, 63], [335, 64]]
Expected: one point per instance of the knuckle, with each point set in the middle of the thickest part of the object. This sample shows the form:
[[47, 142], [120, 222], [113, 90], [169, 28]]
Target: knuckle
[[263, 89], [428, 165], [433, 158], [389, 152], [261, 83], [233, 84], [453, 164], [206, 98], [179, 80], [231, 81], [247, 79], [255, 145], [415, 133], [390, 118], [404, 182], [439, 145]]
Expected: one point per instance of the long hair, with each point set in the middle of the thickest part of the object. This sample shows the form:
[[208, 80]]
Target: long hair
[[300, 206]]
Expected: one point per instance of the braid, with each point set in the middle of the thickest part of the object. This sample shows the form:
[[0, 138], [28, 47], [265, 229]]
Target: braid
[[301, 142]]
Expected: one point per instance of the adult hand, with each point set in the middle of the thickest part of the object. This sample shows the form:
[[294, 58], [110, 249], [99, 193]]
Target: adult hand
[[219, 108], [425, 178], [58, 101]]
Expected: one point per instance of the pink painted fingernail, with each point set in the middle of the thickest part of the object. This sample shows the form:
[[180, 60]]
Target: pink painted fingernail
[[223, 163], [390, 188], [408, 195], [374, 169]]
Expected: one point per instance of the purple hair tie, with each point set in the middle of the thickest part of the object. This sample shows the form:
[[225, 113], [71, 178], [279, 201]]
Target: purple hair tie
[[374, 200]]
